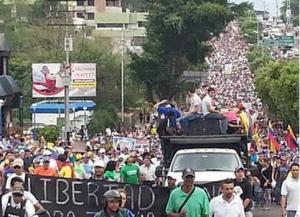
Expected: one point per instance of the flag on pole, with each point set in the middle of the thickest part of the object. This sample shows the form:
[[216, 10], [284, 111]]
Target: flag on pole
[[290, 138], [290, 131], [256, 137], [273, 141]]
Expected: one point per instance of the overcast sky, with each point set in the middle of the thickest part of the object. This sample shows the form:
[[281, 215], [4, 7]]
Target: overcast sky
[[270, 5]]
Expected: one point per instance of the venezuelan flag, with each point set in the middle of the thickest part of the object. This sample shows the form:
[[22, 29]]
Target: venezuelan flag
[[273, 141], [290, 138]]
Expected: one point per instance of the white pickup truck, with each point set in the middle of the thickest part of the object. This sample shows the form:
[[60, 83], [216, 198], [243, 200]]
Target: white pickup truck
[[209, 164]]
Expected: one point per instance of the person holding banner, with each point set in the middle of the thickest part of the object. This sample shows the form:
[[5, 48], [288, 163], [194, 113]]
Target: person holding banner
[[16, 205], [18, 181]]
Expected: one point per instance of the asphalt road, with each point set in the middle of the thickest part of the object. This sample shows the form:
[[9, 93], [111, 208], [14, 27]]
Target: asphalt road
[[273, 212]]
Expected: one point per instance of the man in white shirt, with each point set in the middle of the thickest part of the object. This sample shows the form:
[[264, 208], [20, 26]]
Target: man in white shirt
[[16, 205], [18, 166], [147, 172], [227, 204], [210, 113], [194, 110], [290, 193], [18, 181]]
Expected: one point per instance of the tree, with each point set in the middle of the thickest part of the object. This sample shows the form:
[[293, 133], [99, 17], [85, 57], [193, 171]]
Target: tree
[[50, 133], [294, 10], [276, 83], [177, 32], [103, 119]]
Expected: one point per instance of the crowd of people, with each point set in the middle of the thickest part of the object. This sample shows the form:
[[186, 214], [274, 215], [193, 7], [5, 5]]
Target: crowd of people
[[228, 95]]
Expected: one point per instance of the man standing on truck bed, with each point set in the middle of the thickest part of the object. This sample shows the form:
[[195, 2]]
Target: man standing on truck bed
[[188, 200]]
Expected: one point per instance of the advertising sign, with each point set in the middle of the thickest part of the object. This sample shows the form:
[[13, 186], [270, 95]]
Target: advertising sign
[[48, 80]]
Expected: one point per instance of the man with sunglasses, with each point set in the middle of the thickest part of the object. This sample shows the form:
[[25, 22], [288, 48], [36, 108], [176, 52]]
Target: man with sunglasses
[[16, 205], [18, 181], [188, 200], [18, 166]]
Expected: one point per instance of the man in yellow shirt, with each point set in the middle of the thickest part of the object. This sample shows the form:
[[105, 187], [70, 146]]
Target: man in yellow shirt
[[66, 168]]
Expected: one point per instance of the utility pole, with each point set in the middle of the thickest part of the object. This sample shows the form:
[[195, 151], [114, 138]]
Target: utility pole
[[67, 79], [288, 12], [68, 47], [277, 16], [122, 76]]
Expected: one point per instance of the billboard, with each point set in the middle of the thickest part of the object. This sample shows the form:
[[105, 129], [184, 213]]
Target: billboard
[[48, 80]]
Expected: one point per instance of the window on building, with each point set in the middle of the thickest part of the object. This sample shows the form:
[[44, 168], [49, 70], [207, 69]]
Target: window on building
[[90, 16], [141, 24], [137, 41], [80, 2], [91, 2], [80, 15], [110, 25], [113, 3]]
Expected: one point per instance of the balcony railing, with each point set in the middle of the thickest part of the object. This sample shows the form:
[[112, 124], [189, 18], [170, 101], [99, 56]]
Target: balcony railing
[[111, 3]]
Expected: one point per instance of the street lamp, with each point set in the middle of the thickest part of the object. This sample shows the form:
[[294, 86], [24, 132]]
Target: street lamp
[[1, 104]]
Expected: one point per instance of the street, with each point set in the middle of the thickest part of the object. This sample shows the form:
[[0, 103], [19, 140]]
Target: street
[[274, 212]]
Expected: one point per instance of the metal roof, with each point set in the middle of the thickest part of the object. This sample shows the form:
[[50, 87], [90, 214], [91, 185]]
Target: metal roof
[[59, 107]]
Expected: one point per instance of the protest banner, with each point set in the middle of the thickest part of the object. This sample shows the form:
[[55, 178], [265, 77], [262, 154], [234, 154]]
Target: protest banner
[[77, 198]]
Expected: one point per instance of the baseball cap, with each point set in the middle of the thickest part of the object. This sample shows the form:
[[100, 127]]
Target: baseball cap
[[18, 162], [170, 177], [188, 172], [239, 169], [102, 151], [78, 157], [17, 190], [46, 159], [99, 163]]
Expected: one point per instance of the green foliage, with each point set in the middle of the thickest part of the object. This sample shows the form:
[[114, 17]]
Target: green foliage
[[258, 57], [245, 14], [102, 119], [294, 11], [277, 84], [177, 32], [32, 41], [50, 133], [242, 9]]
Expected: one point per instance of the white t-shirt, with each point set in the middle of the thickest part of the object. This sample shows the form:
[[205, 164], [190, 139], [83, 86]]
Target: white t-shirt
[[206, 103], [195, 102], [290, 189], [27, 195], [221, 208], [28, 206], [148, 173]]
